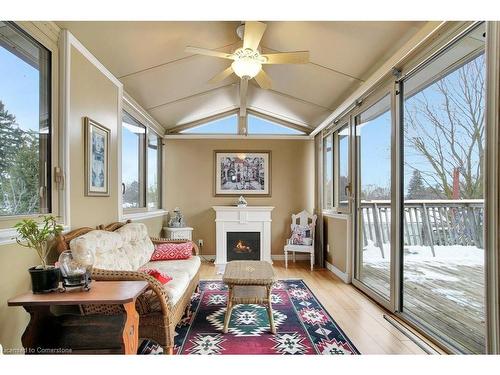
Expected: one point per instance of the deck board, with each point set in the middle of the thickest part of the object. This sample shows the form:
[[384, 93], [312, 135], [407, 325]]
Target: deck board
[[452, 302]]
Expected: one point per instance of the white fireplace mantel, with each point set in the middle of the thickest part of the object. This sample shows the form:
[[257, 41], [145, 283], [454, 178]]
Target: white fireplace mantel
[[242, 219]]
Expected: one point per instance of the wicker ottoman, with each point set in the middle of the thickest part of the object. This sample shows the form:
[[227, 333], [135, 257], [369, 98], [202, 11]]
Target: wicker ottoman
[[249, 281]]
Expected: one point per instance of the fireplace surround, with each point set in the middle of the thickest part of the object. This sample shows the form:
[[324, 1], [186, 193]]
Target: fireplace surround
[[252, 223]]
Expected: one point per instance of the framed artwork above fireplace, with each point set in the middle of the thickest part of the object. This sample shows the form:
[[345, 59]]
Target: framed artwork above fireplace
[[242, 173]]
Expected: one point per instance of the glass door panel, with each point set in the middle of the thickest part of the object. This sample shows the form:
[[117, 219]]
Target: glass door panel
[[373, 154], [443, 208]]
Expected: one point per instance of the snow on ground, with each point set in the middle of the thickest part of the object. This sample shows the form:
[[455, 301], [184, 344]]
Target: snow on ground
[[456, 255], [420, 264]]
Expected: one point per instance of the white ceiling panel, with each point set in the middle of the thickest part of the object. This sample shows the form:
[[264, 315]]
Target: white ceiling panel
[[197, 107], [308, 82], [282, 106], [176, 80], [128, 47]]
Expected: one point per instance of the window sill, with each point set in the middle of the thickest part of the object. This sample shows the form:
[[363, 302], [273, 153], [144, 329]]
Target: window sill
[[134, 216], [7, 235], [336, 214]]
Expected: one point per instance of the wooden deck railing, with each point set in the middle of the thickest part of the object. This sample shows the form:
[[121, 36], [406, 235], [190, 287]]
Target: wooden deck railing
[[426, 222]]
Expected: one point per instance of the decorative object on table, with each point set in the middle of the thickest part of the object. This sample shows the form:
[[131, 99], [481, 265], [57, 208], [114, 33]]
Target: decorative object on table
[[177, 220], [34, 235], [242, 172], [96, 159], [303, 324], [76, 270], [302, 238], [242, 202]]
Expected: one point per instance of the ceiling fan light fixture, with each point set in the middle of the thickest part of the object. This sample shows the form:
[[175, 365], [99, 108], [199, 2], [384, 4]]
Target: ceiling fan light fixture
[[246, 67]]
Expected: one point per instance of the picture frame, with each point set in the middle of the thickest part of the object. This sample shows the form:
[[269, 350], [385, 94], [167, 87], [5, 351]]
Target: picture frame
[[96, 158], [243, 172]]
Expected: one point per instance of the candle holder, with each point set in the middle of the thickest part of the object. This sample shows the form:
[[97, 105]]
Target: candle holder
[[76, 272]]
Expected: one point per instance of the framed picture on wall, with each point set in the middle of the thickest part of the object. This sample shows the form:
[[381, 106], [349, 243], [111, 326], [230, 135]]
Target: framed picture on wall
[[242, 173], [96, 158]]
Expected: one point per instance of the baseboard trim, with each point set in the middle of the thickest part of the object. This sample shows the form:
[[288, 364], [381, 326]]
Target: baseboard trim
[[345, 277], [273, 257]]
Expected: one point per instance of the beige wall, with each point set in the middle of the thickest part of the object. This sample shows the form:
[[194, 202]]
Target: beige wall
[[336, 237], [189, 172], [94, 95]]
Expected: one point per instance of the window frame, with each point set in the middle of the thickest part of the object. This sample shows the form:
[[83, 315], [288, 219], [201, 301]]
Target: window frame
[[143, 164], [343, 123], [39, 33]]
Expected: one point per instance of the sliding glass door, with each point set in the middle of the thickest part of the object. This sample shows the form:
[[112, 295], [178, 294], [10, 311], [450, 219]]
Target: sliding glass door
[[443, 195], [372, 138]]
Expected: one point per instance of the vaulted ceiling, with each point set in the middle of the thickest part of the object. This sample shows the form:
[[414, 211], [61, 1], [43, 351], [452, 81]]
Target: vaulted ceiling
[[172, 85]]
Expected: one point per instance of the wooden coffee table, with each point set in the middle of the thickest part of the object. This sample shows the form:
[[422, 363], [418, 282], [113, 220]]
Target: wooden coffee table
[[249, 281], [77, 334]]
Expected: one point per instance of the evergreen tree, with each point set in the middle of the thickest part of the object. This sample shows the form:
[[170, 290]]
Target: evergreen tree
[[416, 187], [19, 191], [11, 137]]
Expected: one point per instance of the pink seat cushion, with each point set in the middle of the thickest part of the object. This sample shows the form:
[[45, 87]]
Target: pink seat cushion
[[172, 251]]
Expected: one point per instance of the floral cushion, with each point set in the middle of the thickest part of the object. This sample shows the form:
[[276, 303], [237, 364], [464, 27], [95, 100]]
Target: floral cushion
[[301, 234], [136, 244], [106, 247], [172, 251]]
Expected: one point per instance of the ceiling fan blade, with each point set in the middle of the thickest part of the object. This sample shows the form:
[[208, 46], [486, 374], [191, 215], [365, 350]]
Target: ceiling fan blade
[[208, 52], [263, 80], [222, 75], [299, 57], [243, 96], [253, 34]]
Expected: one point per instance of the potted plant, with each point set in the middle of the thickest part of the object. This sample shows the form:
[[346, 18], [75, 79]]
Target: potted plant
[[34, 235]]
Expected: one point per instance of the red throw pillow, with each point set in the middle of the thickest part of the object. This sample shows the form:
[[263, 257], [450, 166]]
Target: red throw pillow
[[160, 276], [172, 251]]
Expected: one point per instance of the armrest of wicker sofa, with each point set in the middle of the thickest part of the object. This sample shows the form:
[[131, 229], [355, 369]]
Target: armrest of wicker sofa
[[156, 240], [109, 275]]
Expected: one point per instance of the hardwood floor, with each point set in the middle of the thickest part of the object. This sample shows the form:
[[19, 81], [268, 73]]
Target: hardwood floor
[[358, 316]]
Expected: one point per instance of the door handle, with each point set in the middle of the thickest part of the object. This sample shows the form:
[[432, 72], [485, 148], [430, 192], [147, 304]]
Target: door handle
[[123, 188], [347, 189]]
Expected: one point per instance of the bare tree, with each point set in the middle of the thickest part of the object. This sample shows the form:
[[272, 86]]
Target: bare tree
[[444, 124]]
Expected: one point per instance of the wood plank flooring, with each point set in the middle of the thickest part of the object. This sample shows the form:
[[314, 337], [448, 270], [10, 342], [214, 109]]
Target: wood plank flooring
[[358, 316]]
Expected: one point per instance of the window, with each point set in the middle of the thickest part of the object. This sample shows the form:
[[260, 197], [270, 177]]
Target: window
[[342, 167], [224, 125], [141, 165], [328, 172], [25, 123], [336, 169], [258, 125], [154, 163], [443, 195]]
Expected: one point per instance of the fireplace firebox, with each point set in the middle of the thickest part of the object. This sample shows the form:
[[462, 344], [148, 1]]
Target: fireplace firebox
[[243, 246]]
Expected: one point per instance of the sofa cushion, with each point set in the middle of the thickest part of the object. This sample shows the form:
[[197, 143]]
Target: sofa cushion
[[190, 266], [136, 244], [172, 251], [176, 287], [106, 248]]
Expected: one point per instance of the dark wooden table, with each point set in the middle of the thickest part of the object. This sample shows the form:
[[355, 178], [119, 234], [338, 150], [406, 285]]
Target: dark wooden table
[[71, 333]]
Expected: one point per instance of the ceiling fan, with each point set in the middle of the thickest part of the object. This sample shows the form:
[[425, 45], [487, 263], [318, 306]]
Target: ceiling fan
[[248, 60]]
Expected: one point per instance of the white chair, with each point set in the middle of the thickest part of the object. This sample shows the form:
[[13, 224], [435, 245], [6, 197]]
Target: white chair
[[303, 218]]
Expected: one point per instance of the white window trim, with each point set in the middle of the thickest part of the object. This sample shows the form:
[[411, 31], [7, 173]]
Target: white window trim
[[135, 110], [142, 215], [8, 235]]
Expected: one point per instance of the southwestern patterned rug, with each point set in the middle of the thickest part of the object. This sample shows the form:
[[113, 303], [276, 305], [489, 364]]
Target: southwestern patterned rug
[[303, 325]]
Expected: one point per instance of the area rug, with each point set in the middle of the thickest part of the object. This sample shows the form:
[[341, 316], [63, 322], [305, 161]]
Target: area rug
[[302, 323]]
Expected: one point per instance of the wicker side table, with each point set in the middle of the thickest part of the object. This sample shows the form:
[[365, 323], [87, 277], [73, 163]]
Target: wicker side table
[[249, 281]]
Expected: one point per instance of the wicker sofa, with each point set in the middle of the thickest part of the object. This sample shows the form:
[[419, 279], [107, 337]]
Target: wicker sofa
[[120, 250]]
